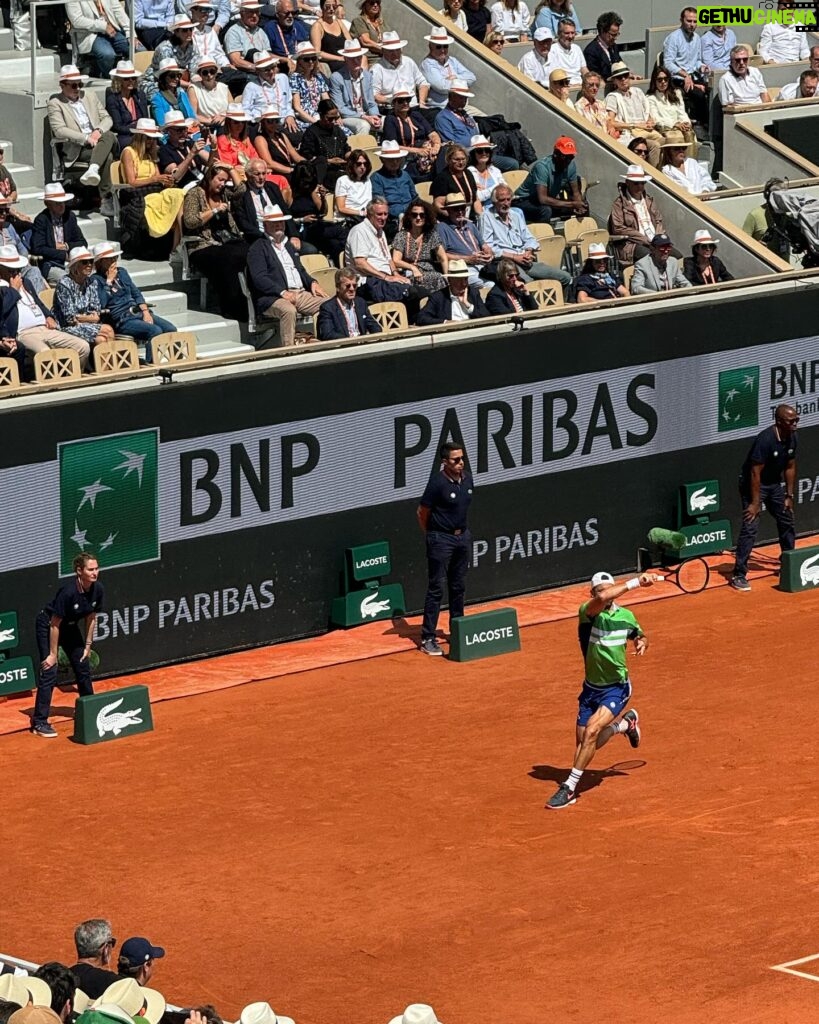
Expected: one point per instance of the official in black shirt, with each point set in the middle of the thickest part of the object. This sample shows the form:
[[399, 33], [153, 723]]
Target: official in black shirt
[[58, 625], [768, 474], [442, 516]]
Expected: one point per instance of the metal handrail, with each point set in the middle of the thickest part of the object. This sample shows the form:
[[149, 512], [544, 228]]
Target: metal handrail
[[53, 3]]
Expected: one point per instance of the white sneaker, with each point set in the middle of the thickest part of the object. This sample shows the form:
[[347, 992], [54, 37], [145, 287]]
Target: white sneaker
[[107, 207], [91, 176]]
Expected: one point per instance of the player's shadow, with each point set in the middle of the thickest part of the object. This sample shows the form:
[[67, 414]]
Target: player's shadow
[[592, 777]]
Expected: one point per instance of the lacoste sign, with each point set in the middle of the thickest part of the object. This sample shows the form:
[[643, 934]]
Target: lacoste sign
[[702, 498], [8, 630], [800, 570], [484, 635], [109, 716]]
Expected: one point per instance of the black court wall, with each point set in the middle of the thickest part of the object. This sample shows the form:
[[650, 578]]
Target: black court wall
[[220, 510]]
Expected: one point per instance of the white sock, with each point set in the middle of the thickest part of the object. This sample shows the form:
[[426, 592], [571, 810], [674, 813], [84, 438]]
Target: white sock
[[573, 779], [621, 726]]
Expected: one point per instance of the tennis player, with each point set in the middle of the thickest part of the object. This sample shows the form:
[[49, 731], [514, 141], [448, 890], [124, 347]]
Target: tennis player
[[604, 629]]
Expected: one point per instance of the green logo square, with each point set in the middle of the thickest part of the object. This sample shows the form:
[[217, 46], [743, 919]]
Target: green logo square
[[738, 398], [109, 499]]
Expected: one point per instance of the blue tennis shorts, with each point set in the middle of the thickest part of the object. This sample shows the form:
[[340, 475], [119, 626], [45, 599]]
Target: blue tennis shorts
[[613, 698]]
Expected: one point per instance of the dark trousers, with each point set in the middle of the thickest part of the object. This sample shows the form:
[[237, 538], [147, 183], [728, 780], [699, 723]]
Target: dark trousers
[[447, 560], [534, 213], [774, 497], [151, 37], [73, 643]]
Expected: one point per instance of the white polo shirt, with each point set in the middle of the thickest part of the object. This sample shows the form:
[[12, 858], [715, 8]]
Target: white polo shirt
[[741, 88], [570, 61]]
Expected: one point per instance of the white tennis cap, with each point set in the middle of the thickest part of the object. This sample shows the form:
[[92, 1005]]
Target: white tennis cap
[[601, 577]]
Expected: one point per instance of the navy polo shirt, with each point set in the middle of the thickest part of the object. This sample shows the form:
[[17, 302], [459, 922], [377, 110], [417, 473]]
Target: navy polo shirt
[[770, 453], [72, 604], [448, 501]]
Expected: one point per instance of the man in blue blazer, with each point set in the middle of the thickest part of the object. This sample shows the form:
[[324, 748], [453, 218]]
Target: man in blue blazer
[[351, 89], [55, 232], [281, 287], [346, 315], [459, 301]]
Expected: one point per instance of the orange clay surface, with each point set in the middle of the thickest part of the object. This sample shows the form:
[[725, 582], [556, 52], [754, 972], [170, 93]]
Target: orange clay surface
[[343, 841]]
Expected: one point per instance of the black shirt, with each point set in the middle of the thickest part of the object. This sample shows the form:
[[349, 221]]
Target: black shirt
[[93, 980], [448, 501], [72, 604], [770, 453]]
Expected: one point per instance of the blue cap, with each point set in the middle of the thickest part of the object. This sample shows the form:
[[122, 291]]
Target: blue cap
[[139, 951]]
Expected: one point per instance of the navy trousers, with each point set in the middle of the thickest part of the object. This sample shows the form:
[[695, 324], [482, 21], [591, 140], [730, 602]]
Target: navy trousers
[[447, 561], [73, 643], [774, 497]]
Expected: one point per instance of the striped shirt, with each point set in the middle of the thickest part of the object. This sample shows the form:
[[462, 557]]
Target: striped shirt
[[603, 639]]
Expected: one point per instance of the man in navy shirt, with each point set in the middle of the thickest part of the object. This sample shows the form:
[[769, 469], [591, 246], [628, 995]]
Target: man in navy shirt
[[58, 625], [442, 516], [769, 475]]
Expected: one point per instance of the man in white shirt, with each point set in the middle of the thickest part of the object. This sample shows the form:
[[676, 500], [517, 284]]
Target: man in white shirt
[[628, 109], [271, 89], [783, 44], [536, 64], [30, 323], [567, 54], [245, 37], [742, 83], [282, 287], [398, 73], [682, 168], [807, 85]]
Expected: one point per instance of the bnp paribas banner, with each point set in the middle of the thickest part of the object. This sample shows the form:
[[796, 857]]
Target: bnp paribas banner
[[125, 495]]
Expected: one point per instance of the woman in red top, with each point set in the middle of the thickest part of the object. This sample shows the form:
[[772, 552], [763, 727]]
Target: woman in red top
[[234, 148]]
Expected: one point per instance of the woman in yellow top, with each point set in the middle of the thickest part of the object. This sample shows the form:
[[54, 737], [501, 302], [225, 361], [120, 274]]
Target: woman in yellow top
[[140, 167]]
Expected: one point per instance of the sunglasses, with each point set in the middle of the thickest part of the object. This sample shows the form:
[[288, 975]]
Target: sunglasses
[[309, 60], [208, 74], [741, 60], [418, 216], [791, 422], [360, 163], [440, 46], [661, 78], [563, 81], [335, 117], [458, 458], [90, 263], [640, 152]]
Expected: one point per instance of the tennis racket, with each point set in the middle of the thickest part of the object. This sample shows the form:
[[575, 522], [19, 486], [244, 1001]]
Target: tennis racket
[[692, 575]]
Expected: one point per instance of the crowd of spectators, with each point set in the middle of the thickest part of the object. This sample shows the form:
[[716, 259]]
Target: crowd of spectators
[[104, 987], [245, 146]]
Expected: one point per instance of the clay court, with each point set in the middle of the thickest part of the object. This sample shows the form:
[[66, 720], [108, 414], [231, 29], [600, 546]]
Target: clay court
[[344, 841]]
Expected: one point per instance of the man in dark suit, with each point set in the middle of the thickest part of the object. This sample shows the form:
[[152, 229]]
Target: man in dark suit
[[458, 301], [258, 198], [54, 232], [280, 284], [603, 51], [346, 315]]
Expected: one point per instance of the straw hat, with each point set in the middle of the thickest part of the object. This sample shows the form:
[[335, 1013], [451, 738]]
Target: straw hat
[[391, 150], [71, 73], [262, 1013], [559, 75], [352, 48], [263, 59], [305, 49], [703, 237], [635, 173], [269, 114], [147, 126], [439, 37], [124, 992], [174, 119], [480, 142], [275, 215], [124, 69], [673, 140], [597, 251], [236, 112], [154, 1005], [106, 251], [180, 21], [206, 62], [402, 94], [454, 199], [54, 192], [457, 268], [12, 260], [166, 65], [417, 1013], [618, 69], [392, 41], [460, 88], [248, 5]]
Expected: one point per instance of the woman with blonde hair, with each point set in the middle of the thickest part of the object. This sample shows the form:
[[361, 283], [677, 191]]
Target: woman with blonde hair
[[512, 18], [78, 300], [369, 27], [162, 200], [589, 105], [495, 41], [209, 98]]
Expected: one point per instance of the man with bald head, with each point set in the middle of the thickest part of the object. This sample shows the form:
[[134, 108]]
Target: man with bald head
[[768, 475]]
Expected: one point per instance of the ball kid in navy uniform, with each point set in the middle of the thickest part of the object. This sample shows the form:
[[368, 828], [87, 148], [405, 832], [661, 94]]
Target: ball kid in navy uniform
[[442, 516], [58, 625]]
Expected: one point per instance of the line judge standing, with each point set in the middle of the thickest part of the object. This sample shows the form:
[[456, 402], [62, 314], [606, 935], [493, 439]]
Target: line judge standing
[[442, 516], [768, 474], [58, 625]]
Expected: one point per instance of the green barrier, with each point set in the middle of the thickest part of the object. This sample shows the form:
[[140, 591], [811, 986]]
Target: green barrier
[[16, 676], [484, 635], [368, 605], [799, 570], [109, 716]]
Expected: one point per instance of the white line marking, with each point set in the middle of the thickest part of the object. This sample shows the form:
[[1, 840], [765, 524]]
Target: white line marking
[[787, 968]]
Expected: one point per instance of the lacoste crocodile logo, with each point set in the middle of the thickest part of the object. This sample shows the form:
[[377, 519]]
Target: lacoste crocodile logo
[[370, 607], [809, 571], [116, 723], [6, 635], [701, 501]]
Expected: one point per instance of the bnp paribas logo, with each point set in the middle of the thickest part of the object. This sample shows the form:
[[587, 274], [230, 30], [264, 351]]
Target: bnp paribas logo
[[739, 398], [109, 499]]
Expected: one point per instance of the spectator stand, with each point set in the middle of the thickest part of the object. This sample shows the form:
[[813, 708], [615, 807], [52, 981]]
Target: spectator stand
[[751, 154]]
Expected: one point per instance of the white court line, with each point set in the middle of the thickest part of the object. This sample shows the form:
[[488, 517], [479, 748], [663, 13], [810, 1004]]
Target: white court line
[[787, 968]]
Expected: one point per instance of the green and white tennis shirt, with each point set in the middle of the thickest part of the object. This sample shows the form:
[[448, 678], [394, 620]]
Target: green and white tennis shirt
[[603, 639]]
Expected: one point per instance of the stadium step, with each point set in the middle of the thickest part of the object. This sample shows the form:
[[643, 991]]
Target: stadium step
[[168, 304], [17, 64], [6, 40], [214, 335]]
